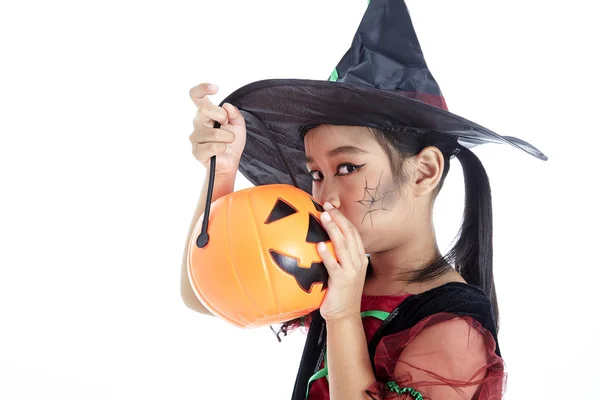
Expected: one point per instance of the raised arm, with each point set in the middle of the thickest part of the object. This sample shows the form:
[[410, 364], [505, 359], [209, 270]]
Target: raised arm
[[227, 143]]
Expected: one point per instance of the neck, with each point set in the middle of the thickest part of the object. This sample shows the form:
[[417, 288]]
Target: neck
[[403, 262]]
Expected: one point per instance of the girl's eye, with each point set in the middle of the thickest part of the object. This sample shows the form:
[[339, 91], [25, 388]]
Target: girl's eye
[[317, 176], [342, 169], [345, 169]]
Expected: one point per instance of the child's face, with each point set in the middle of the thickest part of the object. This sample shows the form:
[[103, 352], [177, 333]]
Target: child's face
[[351, 171]]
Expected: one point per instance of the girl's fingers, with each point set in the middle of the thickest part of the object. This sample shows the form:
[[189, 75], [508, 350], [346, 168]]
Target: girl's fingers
[[208, 135], [353, 242], [333, 267], [340, 243], [207, 114], [199, 92]]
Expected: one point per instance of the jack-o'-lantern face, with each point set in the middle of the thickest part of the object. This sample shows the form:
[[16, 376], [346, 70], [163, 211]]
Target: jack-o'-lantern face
[[316, 273], [261, 264]]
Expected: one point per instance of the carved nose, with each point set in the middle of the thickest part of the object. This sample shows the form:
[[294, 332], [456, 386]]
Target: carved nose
[[316, 233]]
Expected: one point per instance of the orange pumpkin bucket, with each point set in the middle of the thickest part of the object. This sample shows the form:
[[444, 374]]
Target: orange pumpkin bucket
[[260, 265]]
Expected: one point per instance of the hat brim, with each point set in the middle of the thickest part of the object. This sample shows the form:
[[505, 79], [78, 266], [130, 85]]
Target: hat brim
[[286, 106]]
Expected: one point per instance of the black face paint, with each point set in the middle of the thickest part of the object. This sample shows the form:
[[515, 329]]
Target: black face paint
[[374, 200]]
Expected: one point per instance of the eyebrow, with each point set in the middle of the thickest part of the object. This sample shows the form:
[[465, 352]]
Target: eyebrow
[[349, 150]]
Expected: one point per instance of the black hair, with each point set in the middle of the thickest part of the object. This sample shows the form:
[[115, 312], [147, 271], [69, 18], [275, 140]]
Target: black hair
[[472, 250]]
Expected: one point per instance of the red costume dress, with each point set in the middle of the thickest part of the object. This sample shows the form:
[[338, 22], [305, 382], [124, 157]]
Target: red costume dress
[[444, 356]]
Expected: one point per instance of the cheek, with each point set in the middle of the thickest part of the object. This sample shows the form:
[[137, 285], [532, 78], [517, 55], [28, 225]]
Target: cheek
[[383, 213], [318, 193]]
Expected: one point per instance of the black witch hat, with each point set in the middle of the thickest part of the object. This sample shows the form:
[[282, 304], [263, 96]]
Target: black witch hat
[[381, 82]]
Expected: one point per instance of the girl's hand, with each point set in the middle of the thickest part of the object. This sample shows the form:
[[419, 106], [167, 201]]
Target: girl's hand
[[346, 277], [226, 142]]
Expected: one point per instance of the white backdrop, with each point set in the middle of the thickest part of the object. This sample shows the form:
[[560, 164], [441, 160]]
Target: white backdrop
[[98, 185]]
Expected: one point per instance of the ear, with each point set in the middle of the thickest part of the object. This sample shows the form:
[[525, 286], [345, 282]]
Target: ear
[[428, 166]]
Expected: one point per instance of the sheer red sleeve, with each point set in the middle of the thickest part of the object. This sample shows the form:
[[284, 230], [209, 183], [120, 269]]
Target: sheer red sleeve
[[444, 356]]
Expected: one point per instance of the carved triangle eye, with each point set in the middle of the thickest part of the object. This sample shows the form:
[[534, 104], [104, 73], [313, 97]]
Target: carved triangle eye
[[316, 233], [280, 211], [318, 207]]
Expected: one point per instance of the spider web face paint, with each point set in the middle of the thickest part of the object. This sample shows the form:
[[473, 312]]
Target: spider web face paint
[[374, 200]]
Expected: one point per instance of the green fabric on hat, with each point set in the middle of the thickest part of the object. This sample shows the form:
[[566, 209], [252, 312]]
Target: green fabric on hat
[[334, 75]]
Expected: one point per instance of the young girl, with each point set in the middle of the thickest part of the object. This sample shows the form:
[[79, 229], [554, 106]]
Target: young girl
[[373, 145]]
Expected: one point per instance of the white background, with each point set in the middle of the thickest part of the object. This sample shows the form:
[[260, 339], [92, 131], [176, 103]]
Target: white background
[[98, 185]]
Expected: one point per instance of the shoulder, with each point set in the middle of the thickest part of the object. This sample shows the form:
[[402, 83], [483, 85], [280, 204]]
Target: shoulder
[[449, 339], [457, 298], [451, 296], [450, 299], [450, 357]]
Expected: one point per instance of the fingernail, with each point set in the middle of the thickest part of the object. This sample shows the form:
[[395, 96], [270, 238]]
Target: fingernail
[[327, 205], [230, 106], [212, 87], [326, 216], [321, 246]]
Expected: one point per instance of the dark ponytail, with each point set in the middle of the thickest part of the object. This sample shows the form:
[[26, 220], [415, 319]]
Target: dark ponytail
[[472, 253]]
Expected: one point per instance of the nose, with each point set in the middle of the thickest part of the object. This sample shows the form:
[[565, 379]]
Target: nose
[[327, 191]]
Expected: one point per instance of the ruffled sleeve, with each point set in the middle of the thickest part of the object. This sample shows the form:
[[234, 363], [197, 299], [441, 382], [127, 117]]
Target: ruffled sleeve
[[444, 356]]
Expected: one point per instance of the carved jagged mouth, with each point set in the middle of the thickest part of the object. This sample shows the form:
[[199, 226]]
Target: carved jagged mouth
[[305, 277]]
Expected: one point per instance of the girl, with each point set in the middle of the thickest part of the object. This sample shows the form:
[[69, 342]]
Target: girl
[[399, 320]]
